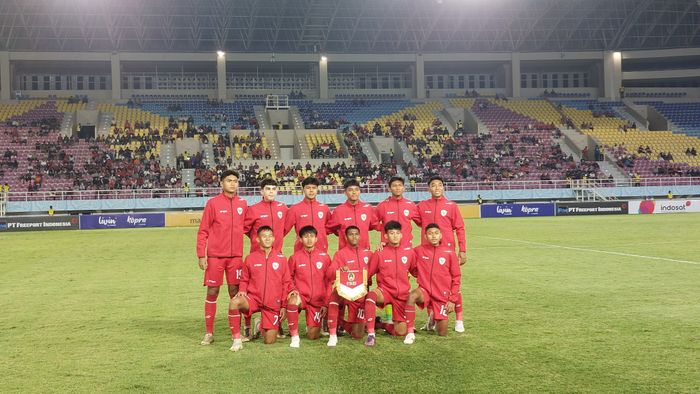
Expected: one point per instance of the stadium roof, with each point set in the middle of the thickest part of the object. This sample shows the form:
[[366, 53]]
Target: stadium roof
[[349, 26]]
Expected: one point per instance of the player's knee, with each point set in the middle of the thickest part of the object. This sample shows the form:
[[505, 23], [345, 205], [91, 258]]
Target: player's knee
[[313, 333], [268, 338], [235, 303], [400, 329], [213, 291], [413, 297], [293, 300]]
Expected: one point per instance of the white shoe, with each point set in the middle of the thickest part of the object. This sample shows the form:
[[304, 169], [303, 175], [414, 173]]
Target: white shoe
[[295, 342], [429, 325], [459, 326], [332, 341], [208, 339], [237, 345], [410, 338]]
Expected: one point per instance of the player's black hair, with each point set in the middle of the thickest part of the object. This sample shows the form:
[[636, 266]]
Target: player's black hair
[[431, 225], [310, 181], [264, 228], [307, 229], [396, 179], [347, 230], [268, 182], [350, 183], [392, 225], [436, 178], [229, 173]]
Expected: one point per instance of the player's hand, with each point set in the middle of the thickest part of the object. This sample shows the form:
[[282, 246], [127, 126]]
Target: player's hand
[[202, 263], [293, 293], [380, 246], [462, 258], [324, 311], [450, 307], [344, 268], [240, 294], [283, 314]]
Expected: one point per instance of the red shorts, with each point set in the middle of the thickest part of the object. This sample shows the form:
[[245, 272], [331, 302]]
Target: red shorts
[[356, 309], [437, 308], [398, 307], [216, 266], [270, 318], [313, 314]]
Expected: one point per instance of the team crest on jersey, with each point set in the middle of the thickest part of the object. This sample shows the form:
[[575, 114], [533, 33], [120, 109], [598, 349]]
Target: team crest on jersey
[[363, 217], [239, 210], [279, 214], [320, 215], [319, 264], [405, 212], [404, 259], [443, 212], [441, 260], [275, 266], [366, 259]]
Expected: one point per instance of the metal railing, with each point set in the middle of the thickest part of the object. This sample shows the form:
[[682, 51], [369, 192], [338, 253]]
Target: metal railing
[[338, 189]]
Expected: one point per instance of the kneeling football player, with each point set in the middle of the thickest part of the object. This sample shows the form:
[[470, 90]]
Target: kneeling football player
[[350, 273], [439, 278], [307, 269], [392, 264], [265, 285]]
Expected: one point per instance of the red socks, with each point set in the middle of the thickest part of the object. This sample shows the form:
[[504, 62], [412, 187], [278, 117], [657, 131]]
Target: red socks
[[458, 308], [370, 311], [333, 318], [234, 321], [411, 317], [293, 319], [209, 313]]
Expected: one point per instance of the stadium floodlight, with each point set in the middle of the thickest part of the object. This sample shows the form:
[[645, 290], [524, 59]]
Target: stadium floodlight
[[220, 53], [324, 58]]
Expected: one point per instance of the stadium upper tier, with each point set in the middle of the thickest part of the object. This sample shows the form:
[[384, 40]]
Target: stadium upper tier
[[521, 142]]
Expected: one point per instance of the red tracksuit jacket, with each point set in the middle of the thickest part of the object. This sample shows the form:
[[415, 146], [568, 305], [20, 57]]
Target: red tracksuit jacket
[[392, 266], [308, 273], [438, 272], [361, 215], [221, 229], [266, 279], [446, 215], [266, 213], [309, 213], [403, 211]]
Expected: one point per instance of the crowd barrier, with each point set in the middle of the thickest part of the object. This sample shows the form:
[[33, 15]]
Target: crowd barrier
[[468, 211]]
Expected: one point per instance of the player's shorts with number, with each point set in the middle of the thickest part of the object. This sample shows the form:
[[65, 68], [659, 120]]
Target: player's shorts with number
[[217, 266]]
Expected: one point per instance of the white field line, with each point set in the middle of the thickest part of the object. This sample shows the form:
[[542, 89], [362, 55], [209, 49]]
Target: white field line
[[590, 250]]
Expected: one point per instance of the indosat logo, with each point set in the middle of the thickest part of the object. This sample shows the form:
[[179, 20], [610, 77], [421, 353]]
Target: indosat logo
[[648, 207]]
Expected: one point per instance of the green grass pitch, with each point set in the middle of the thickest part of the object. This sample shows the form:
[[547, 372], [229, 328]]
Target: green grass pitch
[[578, 304]]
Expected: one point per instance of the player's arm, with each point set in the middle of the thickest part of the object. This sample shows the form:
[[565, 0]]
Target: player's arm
[[249, 223], [291, 266], [290, 219], [413, 268], [332, 224], [245, 279], [415, 215], [458, 225], [203, 235], [455, 284], [289, 286]]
